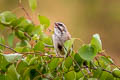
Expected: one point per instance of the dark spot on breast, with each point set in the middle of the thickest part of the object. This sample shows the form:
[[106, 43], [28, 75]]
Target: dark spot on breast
[[60, 47]]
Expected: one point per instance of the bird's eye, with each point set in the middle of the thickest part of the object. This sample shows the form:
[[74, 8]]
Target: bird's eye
[[60, 24]]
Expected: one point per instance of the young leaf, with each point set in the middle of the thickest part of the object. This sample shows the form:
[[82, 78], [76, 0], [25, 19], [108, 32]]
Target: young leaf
[[70, 76], [10, 39], [7, 17], [44, 21], [87, 52], [96, 42], [33, 4]]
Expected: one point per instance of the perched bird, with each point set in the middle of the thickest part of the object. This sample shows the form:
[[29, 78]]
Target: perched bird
[[60, 35]]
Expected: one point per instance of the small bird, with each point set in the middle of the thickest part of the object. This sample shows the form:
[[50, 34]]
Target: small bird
[[60, 36]]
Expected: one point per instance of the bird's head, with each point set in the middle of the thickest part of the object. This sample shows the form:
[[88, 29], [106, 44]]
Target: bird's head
[[59, 28]]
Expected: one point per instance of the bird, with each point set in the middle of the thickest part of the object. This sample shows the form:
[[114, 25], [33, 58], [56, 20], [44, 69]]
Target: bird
[[60, 36]]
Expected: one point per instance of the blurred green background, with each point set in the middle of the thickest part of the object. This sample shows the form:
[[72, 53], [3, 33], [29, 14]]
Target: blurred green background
[[83, 18]]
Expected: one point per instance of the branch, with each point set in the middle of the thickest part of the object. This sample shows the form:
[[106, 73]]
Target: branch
[[8, 47], [41, 54]]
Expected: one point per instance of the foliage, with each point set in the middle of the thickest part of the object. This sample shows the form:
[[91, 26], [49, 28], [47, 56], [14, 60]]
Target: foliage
[[37, 60]]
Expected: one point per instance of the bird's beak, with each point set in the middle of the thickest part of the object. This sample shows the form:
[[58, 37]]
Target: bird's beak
[[56, 25]]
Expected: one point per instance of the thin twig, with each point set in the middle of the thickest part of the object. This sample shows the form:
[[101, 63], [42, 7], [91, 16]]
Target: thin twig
[[96, 68], [27, 35], [43, 76], [78, 67], [21, 6], [8, 47], [50, 46], [97, 61]]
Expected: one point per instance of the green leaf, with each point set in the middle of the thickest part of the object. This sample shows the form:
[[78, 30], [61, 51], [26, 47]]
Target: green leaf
[[68, 44], [44, 21], [7, 17], [103, 76], [78, 59], [26, 74], [92, 79], [53, 64], [79, 75], [96, 42], [97, 72], [33, 60], [3, 63], [22, 66], [70, 76], [2, 41], [2, 77], [25, 25], [10, 39], [106, 76], [33, 4], [109, 77], [2, 26], [39, 46], [26, 49], [68, 62], [12, 73], [33, 74], [47, 40], [116, 73], [12, 57], [19, 49], [37, 30], [17, 22], [87, 52], [20, 35], [23, 43], [106, 59]]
